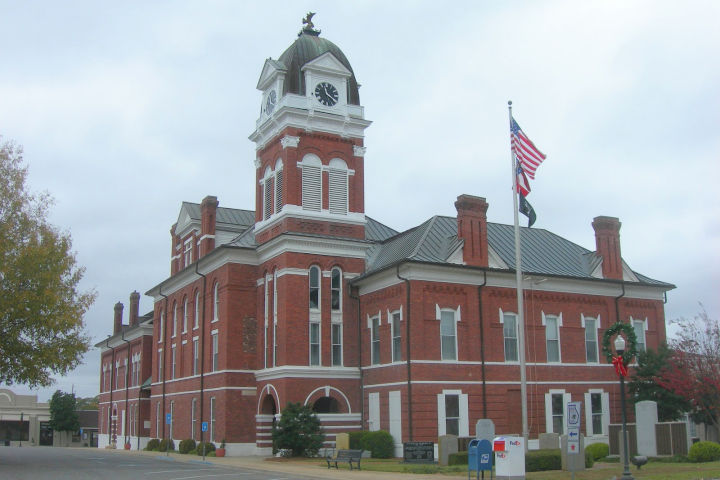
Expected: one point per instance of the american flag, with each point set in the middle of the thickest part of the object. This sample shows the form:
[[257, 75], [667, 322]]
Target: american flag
[[529, 157]]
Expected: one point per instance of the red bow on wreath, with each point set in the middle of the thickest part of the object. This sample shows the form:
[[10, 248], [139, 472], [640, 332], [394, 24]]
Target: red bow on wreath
[[620, 367]]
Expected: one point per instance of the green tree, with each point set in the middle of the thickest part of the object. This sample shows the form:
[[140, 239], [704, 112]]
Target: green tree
[[89, 403], [41, 308], [63, 414], [644, 385], [298, 430]]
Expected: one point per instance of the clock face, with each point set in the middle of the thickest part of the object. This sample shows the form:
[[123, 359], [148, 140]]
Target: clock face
[[326, 94], [270, 102]]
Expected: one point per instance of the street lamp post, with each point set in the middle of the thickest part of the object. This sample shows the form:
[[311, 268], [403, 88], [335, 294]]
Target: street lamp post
[[620, 348]]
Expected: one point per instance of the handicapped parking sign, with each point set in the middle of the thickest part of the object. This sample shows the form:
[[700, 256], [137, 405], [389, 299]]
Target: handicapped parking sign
[[203, 426], [168, 418]]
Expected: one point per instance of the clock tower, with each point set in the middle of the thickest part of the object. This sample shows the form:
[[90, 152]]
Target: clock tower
[[309, 143]]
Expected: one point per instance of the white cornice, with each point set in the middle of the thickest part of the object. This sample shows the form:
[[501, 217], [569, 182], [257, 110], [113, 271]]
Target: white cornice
[[470, 276], [296, 211], [313, 246], [141, 330], [297, 371]]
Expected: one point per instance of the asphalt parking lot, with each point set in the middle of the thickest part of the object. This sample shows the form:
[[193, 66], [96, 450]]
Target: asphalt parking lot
[[38, 463]]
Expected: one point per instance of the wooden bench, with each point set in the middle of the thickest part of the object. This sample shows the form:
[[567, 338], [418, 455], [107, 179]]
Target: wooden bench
[[348, 456]]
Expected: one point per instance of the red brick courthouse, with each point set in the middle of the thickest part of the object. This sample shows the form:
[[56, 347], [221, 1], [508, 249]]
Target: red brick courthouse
[[306, 299]]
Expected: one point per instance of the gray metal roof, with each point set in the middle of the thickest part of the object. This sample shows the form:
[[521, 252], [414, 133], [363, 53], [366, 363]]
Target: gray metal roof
[[230, 216], [543, 252]]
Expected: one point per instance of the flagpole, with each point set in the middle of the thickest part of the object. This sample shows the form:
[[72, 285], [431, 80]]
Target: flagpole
[[518, 282]]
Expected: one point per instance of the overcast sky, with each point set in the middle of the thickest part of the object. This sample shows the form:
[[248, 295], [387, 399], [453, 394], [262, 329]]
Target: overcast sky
[[126, 109]]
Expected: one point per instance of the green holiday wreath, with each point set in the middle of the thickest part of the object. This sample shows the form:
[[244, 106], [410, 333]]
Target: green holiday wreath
[[630, 339]]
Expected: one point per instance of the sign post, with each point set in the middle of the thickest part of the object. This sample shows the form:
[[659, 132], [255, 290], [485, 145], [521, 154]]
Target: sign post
[[573, 429], [203, 429]]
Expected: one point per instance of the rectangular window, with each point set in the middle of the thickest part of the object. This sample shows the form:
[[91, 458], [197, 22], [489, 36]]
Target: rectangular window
[[639, 327], [375, 339], [196, 356], [172, 417], [185, 315], [192, 418], [452, 414], [175, 320], [510, 337], [212, 419], [337, 345], [197, 310], [557, 413], [314, 343], [188, 252], [591, 340], [215, 352], [162, 327], [172, 364], [448, 335], [160, 366], [396, 342], [157, 420], [552, 340], [597, 413]]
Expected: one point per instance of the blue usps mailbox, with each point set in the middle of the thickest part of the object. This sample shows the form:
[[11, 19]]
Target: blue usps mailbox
[[479, 456]]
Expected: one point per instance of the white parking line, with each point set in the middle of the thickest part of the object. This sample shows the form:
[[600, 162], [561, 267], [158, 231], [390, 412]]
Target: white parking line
[[206, 476]]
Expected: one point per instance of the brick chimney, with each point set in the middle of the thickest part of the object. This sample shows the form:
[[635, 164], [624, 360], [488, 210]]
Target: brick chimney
[[607, 246], [118, 318], [208, 208], [134, 308], [472, 229], [174, 253]]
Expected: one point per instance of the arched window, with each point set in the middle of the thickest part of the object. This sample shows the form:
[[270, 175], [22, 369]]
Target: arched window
[[174, 325], [326, 405], [268, 406], [314, 283], [216, 303], [338, 187], [185, 314], [278, 186], [311, 183], [336, 289], [267, 193], [197, 310]]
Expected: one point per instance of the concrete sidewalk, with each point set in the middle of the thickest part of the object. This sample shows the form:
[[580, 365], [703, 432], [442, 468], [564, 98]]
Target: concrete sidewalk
[[289, 466]]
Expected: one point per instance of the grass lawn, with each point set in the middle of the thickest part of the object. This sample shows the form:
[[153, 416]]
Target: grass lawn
[[600, 471]]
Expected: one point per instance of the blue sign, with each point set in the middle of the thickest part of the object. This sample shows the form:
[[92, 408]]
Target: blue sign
[[168, 419], [203, 426]]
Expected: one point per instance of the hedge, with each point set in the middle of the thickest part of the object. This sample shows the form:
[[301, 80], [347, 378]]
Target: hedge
[[598, 450], [209, 447], [542, 460], [704, 452], [379, 443], [186, 446], [153, 445], [459, 458], [167, 444]]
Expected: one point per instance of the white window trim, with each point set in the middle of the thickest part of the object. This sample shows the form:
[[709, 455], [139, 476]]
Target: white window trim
[[644, 329], [196, 321], [319, 343], [390, 315], [548, 408], [456, 317], [463, 423], [216, 302], [332, 345], [559, 324], [174, 325], [337, 313], [185, 314], [605, 402], [597, 340], [370, 328], [517, 339]]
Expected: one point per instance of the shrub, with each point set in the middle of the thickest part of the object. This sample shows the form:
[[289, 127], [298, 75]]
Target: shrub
[[379, 443], [589, 460], [209, 447], [542, 460], [153, 445], [459, 458], [186, 445], [598, 450], [704, 452], [298, 430], [167, 444]]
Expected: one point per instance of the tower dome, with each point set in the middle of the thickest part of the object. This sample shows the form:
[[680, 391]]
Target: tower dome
[[308, 46]]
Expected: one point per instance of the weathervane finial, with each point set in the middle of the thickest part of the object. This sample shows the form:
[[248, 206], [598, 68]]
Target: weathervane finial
[[309, 25]]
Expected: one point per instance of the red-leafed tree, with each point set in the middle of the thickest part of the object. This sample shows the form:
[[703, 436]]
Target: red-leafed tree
[[693, 370]]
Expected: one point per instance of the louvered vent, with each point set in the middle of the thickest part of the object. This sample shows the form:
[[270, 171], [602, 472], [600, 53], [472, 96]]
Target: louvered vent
[[278, 190], [311, 188], [338, 191], [268, 198]]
